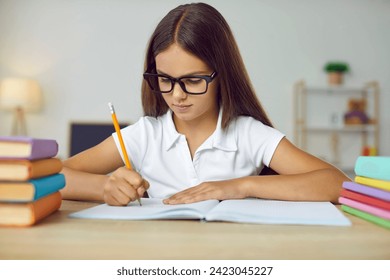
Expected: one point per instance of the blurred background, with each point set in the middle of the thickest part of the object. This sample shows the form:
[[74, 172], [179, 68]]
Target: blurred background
[[86, 53]]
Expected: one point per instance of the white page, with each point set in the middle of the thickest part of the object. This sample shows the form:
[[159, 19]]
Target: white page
[[152, 208], [278, 212]]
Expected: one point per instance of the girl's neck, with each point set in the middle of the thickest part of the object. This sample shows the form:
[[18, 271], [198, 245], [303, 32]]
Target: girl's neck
[[205, 124], [197, 131]]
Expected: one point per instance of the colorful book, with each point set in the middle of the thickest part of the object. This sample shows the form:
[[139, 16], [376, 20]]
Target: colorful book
[[366, 208], [366, 216], [375, 167], [22, 147], [27, 214], [375, 192], [381, 184], [23, 170], [30, 190], [366, 199]]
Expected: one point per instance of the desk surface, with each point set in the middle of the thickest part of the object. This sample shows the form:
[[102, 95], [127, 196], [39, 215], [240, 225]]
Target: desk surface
[[59, 237]]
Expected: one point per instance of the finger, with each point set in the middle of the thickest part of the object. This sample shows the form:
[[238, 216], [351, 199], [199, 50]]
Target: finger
[[186, 196], [129, 175], [112, 200], [146, 185], [120, 197], [141, 191], [177, 196], [137, 182], [134, 179], [121, 191], [204, 191], [127, 192]]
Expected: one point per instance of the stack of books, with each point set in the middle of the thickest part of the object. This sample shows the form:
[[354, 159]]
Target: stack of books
[[29, 180], [368, 197]]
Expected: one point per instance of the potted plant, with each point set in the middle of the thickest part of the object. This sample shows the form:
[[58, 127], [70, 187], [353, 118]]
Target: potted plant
[[335, 72]]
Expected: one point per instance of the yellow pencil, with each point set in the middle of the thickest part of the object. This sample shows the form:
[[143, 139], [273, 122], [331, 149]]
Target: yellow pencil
[[118, 132]]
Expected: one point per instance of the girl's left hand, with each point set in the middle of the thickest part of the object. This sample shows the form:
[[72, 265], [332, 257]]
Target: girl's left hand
[[221, 190]]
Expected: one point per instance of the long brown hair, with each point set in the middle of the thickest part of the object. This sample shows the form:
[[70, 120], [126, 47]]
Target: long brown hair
[[201, 30]]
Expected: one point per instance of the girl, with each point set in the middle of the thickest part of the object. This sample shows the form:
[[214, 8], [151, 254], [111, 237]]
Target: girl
[[204, 135]]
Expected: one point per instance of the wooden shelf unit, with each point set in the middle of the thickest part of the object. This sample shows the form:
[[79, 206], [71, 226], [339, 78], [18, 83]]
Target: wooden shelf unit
[[325, 117]]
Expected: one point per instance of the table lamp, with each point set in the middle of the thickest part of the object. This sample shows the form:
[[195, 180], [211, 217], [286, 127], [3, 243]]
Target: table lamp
[[20, 96]]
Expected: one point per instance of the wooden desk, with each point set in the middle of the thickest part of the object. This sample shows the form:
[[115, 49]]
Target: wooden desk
[[59, 237]]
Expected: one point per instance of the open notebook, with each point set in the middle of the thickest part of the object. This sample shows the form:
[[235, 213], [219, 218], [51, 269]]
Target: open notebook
[[257, 211]]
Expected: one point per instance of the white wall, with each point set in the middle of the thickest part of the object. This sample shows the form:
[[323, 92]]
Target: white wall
[[85, 53]]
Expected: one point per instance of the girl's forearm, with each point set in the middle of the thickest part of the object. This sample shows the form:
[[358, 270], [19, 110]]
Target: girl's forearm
[[82, 185], [318, 185]]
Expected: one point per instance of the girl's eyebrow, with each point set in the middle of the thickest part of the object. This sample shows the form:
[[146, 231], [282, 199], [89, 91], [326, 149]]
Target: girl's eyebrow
[[200, 72]]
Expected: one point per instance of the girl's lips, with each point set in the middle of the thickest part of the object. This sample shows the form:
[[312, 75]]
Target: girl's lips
[[181, 108]]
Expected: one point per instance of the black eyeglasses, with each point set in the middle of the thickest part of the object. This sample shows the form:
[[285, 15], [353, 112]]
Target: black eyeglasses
[[191, 84]]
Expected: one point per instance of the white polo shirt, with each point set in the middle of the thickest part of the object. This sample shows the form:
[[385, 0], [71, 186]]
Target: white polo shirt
[[161, 154]]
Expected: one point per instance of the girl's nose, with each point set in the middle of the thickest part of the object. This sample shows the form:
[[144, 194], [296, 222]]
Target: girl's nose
[[178, 93]]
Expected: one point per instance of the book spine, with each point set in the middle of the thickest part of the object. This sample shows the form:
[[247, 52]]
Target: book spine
[[371, 191], [366, 208], [43, 148], [381, 184], [369, 200], [40, 148], [47, 185], [28, 214], [44, 167], [45, 206], [373, 167], [366, 216]]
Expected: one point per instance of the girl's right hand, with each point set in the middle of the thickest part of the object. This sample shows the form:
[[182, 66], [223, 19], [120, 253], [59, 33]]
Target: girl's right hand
[[124, 186]]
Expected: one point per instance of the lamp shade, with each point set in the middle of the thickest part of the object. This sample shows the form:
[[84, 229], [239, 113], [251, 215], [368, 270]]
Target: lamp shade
[[20, 93]]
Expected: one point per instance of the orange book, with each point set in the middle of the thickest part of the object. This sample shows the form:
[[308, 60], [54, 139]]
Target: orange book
[[23, 170], [27, 214]]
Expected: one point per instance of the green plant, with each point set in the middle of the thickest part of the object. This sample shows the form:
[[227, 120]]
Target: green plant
[[336, 67]]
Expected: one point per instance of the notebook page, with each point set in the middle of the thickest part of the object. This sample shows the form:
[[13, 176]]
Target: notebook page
[[152, 208], [278, 212]]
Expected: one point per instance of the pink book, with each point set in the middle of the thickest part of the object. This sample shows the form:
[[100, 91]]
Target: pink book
[[23, 147], [366, 208]]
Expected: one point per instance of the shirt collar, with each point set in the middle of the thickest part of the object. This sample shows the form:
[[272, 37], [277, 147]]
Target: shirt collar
[[220, 139], [170, 133], [225, 139]]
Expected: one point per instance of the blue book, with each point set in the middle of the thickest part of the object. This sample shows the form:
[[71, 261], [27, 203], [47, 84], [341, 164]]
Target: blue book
[[32, 190], [375, 167]]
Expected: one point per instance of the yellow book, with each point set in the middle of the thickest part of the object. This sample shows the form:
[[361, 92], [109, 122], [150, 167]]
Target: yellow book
[[381, 184]]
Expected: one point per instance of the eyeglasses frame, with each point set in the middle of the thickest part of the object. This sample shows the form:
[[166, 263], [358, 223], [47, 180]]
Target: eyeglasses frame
[[207, 78]]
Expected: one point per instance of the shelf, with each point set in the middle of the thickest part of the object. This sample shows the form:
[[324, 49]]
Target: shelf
[[319, 122], [335, 90], [346, 129]]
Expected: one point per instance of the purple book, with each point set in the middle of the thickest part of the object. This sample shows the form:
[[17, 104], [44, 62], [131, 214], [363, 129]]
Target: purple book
[[23, 147], [375, 192]]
